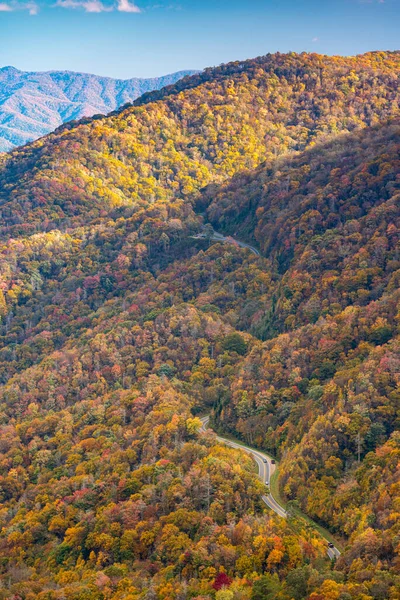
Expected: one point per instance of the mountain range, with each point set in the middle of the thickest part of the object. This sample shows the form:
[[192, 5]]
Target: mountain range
[[33, 104], [124, 317]]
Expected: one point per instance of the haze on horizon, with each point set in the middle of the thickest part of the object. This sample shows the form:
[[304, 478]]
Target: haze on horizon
[[145, 38]]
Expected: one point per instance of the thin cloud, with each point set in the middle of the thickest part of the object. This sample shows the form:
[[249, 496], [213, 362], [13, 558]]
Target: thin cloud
[[89, 6], [31, 7], [128, 7], [96, 6], [175, 7]]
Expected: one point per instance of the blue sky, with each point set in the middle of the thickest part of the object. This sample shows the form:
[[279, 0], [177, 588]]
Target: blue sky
[[145, 38]]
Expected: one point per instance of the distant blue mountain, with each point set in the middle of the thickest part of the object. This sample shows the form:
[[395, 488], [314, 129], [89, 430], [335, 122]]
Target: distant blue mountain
[[33, 104]]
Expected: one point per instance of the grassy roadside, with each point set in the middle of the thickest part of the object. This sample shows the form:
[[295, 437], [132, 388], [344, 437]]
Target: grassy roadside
[[275, 491], [274, 487]]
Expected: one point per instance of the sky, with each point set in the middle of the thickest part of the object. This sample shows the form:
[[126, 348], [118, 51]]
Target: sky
[[148, 38]]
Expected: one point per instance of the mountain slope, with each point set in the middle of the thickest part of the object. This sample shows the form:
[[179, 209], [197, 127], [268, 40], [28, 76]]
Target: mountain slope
[[229, 119], [323, 395], [102, 329], [118, 326], [317, 216], [33, 104]]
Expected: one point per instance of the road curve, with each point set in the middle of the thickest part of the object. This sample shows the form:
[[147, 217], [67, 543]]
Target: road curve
[[218, 237], [265, 470]]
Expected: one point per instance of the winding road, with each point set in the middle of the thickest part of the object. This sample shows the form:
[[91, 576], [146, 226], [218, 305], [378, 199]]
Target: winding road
[[266, 469], [218, 237]]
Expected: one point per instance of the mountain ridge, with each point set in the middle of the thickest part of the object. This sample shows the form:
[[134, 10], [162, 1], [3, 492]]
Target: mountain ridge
[[35, 103]]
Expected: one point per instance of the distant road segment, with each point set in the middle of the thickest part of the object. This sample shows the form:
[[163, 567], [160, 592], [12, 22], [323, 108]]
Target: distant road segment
[[218, 237]]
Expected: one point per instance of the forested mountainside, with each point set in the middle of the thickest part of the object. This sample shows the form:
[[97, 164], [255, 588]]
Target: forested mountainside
[[118, 328], [324, 394], [327, 219], [33, 104], [248, 113]]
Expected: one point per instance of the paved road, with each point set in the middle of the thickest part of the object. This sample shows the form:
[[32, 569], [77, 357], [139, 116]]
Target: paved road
[[218, 237], [265, 469]]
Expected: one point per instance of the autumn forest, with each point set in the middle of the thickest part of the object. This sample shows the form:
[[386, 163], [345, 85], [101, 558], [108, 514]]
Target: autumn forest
[[121, 327]]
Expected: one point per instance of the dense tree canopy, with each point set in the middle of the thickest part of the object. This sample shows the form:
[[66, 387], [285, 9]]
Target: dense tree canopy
[[118, 328]]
